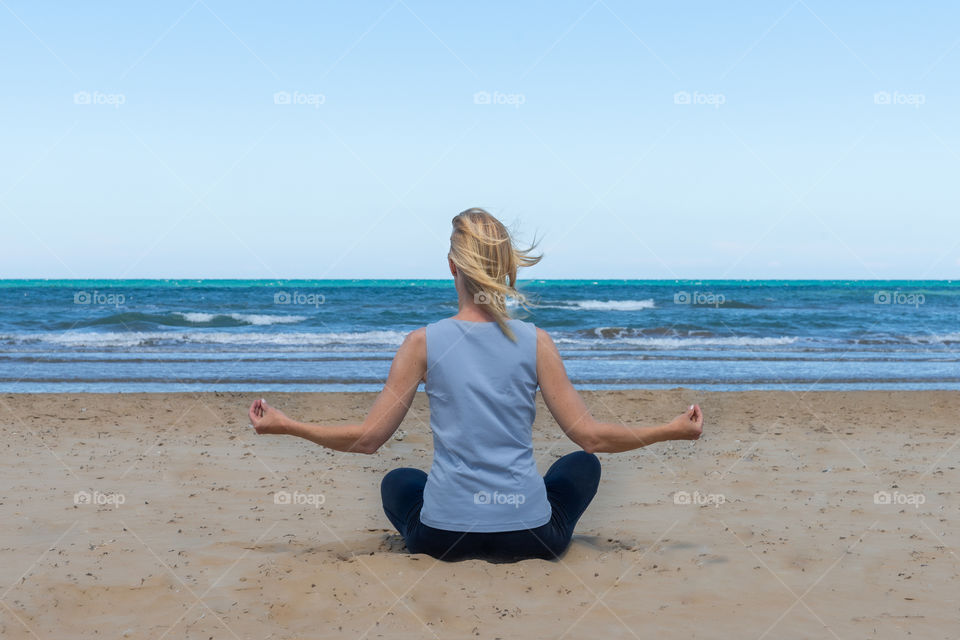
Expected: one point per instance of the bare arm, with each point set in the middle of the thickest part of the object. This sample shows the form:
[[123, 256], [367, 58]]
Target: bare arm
[[408, 368], [574, 418]]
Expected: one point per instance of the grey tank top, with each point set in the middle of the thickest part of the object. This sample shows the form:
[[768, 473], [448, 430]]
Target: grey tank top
[[482, 391]]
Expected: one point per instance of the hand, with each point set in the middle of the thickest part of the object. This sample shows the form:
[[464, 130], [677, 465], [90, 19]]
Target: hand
[[688, 425], [265, 419]]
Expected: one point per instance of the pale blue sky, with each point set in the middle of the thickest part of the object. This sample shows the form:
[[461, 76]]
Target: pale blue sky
[[785, 164]]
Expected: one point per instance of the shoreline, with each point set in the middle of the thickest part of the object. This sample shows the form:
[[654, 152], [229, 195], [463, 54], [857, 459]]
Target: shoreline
[[869, 387]]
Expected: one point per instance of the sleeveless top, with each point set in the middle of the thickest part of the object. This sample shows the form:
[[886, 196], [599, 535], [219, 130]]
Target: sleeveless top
[[482, 389]]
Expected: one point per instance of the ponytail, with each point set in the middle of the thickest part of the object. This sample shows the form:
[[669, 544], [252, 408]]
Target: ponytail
[[484, 253]]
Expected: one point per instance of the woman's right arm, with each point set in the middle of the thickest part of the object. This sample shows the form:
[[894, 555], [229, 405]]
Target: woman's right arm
[[571, 413]]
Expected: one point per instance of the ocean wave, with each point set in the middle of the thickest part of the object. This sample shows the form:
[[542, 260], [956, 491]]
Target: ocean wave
[[688, 342], [943, 338], [142, 321], [617, 333], [83, 339], [923, 339], [728, 304], [599, 338], [602, 305], [257, 319]]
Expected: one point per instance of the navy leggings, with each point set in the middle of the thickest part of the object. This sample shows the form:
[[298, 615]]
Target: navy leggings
[[571, 484]]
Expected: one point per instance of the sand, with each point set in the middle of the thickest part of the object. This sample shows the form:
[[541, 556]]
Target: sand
[[769, 527]]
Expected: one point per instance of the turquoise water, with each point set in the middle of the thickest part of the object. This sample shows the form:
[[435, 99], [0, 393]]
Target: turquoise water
[[270, 335]]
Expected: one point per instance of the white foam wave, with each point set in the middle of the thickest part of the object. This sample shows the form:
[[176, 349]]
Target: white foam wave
[[943, 338], [682, 343], [603, 305], [154, 338], [249, 318], [260, 319], [195, 317]]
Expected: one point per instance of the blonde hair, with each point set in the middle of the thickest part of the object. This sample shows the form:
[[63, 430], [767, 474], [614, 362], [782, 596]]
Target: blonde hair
[[484, 253]]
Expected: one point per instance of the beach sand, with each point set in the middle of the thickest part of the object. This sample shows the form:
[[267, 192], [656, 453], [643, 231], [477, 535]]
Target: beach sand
[[783, 536]]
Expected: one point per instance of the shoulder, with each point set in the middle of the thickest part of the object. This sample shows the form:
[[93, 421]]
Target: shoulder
[[414, 347], [526, 331], [417, 337], [545, 344], [524, 325]]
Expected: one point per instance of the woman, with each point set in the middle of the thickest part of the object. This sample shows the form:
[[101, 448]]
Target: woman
[[483, 496]]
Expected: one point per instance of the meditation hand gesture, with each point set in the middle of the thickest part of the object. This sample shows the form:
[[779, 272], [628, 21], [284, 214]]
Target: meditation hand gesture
[[265, 419], [688, 425]]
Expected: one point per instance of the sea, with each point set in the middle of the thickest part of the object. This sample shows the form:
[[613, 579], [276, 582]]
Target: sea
[[122, 336]]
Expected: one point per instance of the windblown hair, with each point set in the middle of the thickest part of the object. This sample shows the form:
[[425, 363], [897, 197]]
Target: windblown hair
[[486, 257]]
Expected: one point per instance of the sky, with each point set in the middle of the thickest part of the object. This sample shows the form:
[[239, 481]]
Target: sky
[[215, 139]]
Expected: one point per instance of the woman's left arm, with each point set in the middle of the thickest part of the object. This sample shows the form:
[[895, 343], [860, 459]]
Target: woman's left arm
[[408, 368]]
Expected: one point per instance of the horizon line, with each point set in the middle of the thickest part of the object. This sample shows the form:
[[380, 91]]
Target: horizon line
[[450, 279]]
